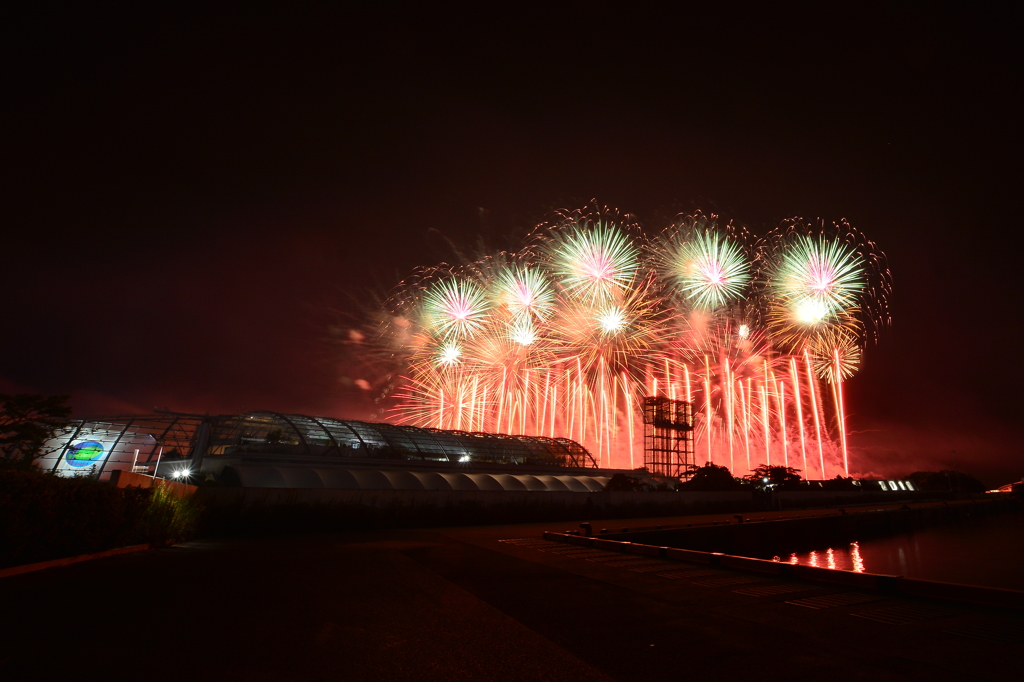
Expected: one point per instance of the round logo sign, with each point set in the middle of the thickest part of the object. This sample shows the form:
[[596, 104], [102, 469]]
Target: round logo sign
[[85, 453]]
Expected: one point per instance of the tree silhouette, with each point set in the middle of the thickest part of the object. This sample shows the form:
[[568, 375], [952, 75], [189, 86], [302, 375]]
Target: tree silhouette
[[766, 476], [711, 477], [27, 421]]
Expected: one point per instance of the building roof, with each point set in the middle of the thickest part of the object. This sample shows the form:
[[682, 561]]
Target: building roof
[[120, 442]]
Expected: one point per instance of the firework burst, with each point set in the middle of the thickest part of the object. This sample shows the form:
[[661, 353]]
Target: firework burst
[[565, 337], [702, 263], [455, 307], [525, 293], [836, 355], [817, 278], [593, 260], [619, 334]]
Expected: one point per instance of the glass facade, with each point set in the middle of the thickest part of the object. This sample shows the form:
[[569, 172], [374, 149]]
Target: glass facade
[[97, 446]]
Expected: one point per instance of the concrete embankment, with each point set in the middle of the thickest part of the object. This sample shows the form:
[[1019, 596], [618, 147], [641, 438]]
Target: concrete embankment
[[679, 545]]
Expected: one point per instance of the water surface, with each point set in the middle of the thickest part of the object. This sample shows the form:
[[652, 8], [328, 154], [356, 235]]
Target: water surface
[[982, 550]]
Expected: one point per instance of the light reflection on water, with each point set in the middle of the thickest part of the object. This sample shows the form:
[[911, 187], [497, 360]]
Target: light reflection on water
[[842, 558], [984, 550]]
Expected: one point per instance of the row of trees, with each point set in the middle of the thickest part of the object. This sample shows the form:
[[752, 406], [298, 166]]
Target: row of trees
[[712, 477]]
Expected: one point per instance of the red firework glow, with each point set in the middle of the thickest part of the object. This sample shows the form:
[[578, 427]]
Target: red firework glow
[[565, 337]]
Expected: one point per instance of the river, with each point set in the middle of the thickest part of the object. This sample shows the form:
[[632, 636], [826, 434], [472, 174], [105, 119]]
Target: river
[[985, 550]]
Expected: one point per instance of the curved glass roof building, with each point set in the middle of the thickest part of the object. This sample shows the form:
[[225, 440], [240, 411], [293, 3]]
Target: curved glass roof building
[[322, 436], [241, 449]]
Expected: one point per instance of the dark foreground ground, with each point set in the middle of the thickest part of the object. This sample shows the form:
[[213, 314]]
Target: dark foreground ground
[[461, 604]]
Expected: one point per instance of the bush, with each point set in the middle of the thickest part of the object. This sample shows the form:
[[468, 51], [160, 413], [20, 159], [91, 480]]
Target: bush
[[767, 477], [47, 517], [623, 484], [169, 516], [711, 477], [840, 483]]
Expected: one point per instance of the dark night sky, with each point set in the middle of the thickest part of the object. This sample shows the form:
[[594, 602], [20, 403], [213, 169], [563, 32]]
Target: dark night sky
[[192, 199]]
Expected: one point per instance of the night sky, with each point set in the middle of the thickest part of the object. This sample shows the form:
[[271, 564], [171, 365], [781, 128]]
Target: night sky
[[197, 203]]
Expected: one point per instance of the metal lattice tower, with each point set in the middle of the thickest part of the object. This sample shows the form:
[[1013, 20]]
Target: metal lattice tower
[[668, 436]]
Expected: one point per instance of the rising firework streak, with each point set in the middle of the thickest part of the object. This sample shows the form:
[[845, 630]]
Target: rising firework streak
[[566, 336]]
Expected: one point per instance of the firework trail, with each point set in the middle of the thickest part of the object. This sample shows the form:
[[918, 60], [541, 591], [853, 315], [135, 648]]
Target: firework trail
[[566, 336]]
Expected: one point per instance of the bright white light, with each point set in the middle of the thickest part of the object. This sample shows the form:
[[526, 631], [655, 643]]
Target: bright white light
[[524, 337], [449, 354], [612, 320], [522, 332], [744, 331], [181, 473], [811, 310], [464, 458]]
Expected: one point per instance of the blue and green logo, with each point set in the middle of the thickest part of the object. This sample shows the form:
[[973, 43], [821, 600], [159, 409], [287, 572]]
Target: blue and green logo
[[85, 453]]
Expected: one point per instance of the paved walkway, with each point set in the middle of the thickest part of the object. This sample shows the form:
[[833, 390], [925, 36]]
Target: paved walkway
[[488, 603]]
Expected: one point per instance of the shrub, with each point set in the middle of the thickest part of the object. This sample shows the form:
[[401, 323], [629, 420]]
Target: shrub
[[711, 477], [623, 483], [47, 517]]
